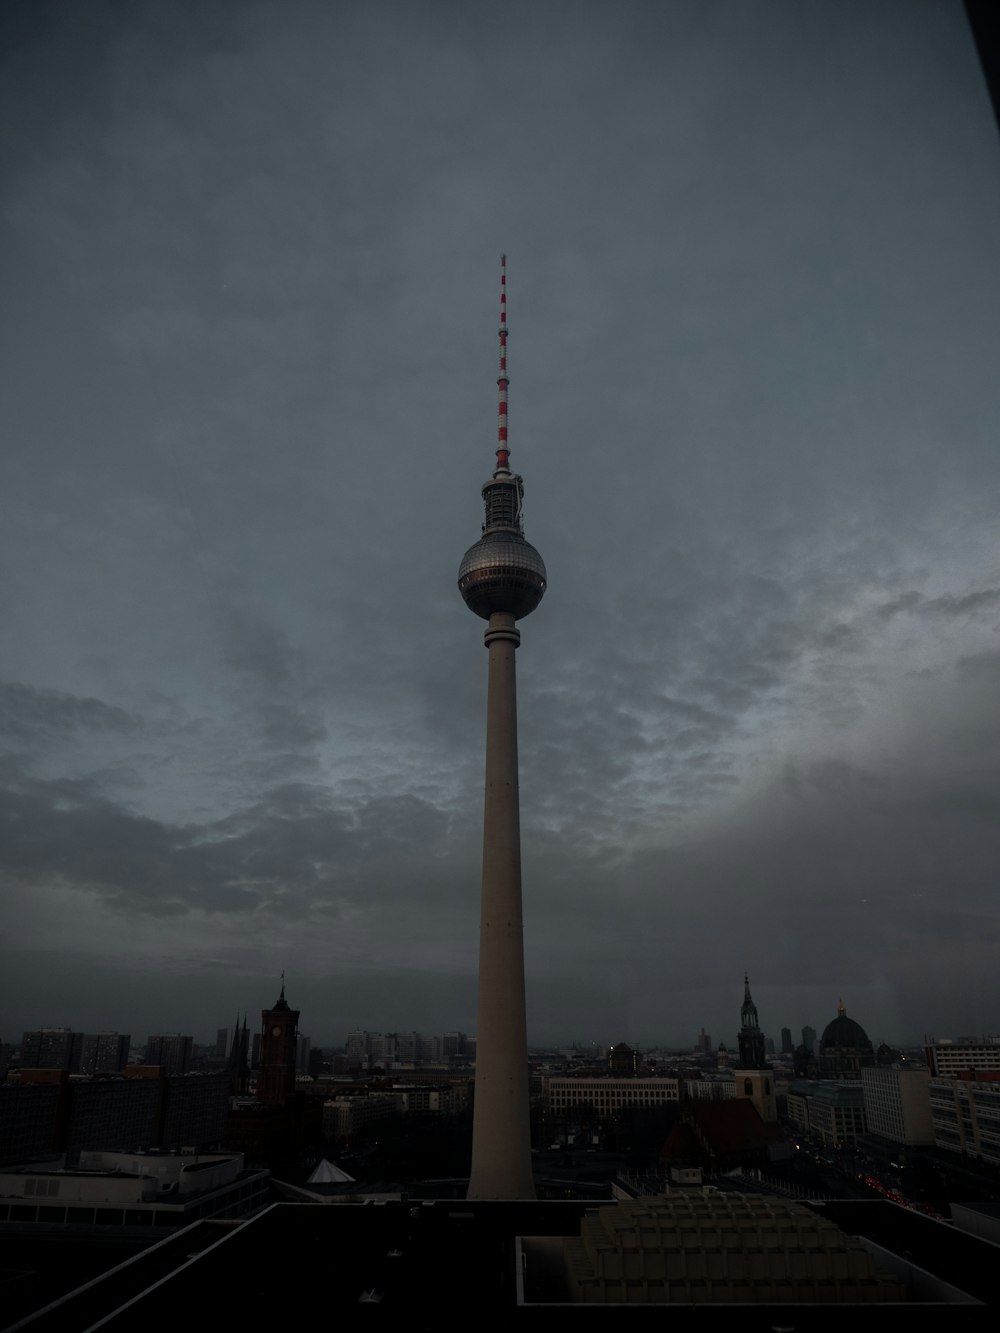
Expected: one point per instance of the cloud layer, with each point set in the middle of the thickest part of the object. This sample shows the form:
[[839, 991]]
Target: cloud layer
[[251, 262]]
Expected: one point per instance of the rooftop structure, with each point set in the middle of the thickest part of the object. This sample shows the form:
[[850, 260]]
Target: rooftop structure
[[719, 1248], [136, 1189]]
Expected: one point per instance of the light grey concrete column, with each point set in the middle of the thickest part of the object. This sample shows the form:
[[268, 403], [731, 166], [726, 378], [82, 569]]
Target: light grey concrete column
[[501, 1136]]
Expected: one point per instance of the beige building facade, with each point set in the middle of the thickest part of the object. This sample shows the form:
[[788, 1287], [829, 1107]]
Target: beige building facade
[[608, 1096], [897, 1104], [965, 1115]]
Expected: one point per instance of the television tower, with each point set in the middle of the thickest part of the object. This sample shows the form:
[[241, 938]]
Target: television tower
[[502, 579]]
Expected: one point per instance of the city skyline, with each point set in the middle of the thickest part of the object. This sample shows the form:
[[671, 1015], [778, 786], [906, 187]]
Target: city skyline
[[249, 257]]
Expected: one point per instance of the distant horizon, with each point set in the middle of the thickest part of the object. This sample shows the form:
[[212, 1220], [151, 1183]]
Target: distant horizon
[[138, 1039]]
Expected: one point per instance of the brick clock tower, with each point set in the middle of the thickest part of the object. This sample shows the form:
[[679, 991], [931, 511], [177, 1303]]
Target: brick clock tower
[[278, 1047]]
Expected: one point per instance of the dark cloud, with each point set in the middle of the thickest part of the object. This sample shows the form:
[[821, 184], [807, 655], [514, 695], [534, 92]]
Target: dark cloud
[[249, 342]]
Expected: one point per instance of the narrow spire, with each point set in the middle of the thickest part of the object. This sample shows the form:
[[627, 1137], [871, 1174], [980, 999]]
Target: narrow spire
[[502, 381]]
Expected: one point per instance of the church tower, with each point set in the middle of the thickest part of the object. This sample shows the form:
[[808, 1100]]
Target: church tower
[[754, 1077], [238, 1064], [751, 1039], [279, 1034]]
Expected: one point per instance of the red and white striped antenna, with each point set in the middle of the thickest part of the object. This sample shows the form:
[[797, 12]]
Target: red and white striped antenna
[[502, 451]]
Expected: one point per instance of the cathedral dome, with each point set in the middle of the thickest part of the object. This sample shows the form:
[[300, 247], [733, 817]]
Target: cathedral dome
[[844, 1049], [843, 1034]]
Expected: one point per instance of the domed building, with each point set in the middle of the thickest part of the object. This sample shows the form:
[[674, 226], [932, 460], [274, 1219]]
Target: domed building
[[844, 1048]]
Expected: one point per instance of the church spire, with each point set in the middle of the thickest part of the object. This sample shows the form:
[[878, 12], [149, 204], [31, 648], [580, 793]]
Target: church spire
[[751, 1040]]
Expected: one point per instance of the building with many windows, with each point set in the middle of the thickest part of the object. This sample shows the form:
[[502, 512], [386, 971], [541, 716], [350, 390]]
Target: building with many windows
[[347, 1117], [897, 1104], [948, 1057], [608, 1096], [965, 1114], [834, 1112], [171, 1051], [104, 1052], [51, 1048]]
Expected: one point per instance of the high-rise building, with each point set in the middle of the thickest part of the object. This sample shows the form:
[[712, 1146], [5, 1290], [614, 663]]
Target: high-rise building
[[786, 1041], [278, 1049], [104, 1052], [171, 1051], [502, 578], [809, 1038], [52, 1048], [898, 1104], [302, 1054]]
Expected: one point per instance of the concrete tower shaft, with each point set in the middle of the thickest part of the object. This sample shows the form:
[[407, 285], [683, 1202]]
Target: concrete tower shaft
[[502, 578]]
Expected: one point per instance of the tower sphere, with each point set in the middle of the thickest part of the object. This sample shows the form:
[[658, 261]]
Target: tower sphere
[[502, 572]]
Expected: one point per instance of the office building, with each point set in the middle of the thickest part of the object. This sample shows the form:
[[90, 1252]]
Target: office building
[[170, 1051], [104, 1052], [947, 1057], [566, 1095], [347, 1117], [897, 1104], [51, 1048], [965, 1114], [834, 1112]]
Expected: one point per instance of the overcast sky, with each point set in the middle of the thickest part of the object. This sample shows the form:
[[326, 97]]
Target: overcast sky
[[251, 267]]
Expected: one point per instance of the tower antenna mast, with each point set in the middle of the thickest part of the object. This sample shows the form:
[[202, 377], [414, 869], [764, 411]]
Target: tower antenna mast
[[503, 453]]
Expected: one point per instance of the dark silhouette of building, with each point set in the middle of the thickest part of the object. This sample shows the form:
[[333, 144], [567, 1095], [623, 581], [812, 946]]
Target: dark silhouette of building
[[278, 1051], [104, 1052], [787, 1046], [751, 1040], [169, 1051], [719, 1136], [52, 1048], [754, 1077], [238, 1060], [622, 1059], [48, 1111], [844, 1048]]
